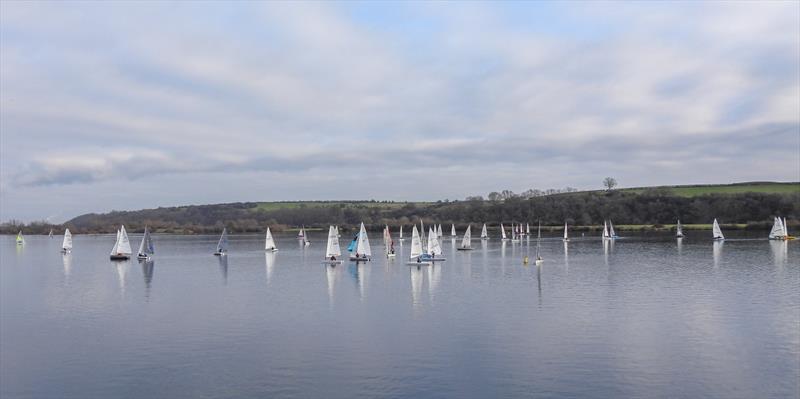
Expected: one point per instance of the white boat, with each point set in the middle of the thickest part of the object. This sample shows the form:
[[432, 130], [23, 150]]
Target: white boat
[[417, 253], [269, 242], [363, 252], [388, 243], [20, 238], [466, 242], [605, 230], [679, 230], [716, 231], [515, 229], [611, 232], [503, 232], [786, 231], [66, 245], [778, 231], [434, 247], [50, 234], [452, 230], [146, 247], [303, 236], [401, 233], [222, 245], [439, 231], [122, 247], [527, 229], [332, 250], [566, 236], [484, 233], [539, 259]]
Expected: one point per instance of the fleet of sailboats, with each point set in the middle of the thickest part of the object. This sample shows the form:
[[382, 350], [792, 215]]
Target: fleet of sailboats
[[122, 246]]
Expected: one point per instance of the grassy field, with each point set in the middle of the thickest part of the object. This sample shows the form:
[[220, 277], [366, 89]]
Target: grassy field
[[272, 206], [692, 191]]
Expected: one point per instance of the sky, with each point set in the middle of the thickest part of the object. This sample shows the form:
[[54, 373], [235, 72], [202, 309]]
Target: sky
[[129, 105]]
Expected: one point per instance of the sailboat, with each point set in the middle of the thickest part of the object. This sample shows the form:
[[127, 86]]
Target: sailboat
[[434, 247], [439, 231], [611, 232], [503, 232], [332, 251], [778, 232], [515, 230], [50, 234], [539, 259], [20, 238], [417, 253], [466, 242], [122, 247], [388, 243], [353, 243], [605, 230], [717, 232], [303, 236], [222, 245], [679, 230], [786, 231], [146, 247], [566, 237], [363, 251], [484, 233], [401, 233], [66, 245], [269, 242], [453, 230]]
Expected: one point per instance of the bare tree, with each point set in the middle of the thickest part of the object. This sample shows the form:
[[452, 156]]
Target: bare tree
[[609, 183]]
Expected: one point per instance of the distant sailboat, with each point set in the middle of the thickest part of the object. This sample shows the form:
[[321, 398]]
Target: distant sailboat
[[452, 230], [484, 233], [439, 231], [514, 232], [466, 242], [401, 233], [611, 232], [363, 252], [778, 231], [332, 251], [66, 245], [50, 234], [539, 259], [20, 238], [786, 231], [303, 236], [222, 245], [527, 229], [388, 243], [122, 247], [679, 230], [269, 242], [566, 236], [434, 247], [503, 232], [717, 232], [417, 253], [605, 230], [146, 247]]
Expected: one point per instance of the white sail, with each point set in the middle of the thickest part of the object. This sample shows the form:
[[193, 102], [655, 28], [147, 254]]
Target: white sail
[[123, 245], [269, 242], [146, 246], [503, 231], [387, 238], [466, 242], [302, 232], [484, 233], [401, 231], [439, 231], [611, 229], [679, 229], [452, 230], [566, 236], [538, 238], [605, 229], [67, 244], [717, 231], [527, 228], [222, 245], [777, 231], [785, 228], [434, 248], [416, 243], [333, 248], [363, 243]]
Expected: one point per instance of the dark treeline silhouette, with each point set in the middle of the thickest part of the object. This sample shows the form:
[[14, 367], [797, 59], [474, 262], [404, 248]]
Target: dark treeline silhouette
[[650, 207]]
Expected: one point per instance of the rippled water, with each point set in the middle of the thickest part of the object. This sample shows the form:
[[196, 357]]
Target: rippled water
[[644, 317]]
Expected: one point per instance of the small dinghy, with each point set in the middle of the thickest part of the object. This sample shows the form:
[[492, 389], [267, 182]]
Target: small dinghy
[[122, 247], [679, 230], [20, 238], [388, 243], [222, 245], [566, 236], [503, 233], [539, 259], [417, 254], [146, 247], [363, 252], [66, 245], [269, 242], [434, 248], [466, 242], [332, 251], [484, 233], [716, 231]]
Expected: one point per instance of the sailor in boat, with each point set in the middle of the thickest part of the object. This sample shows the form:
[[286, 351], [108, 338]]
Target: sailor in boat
[[333, 258]]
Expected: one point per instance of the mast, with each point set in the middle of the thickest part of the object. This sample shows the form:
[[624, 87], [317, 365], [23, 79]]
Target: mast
[[466, 242]]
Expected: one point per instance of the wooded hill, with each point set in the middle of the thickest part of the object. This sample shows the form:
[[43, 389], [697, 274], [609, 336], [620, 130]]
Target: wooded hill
[[641, 206]]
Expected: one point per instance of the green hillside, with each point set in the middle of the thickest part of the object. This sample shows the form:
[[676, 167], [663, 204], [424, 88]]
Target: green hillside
[[736, 188]]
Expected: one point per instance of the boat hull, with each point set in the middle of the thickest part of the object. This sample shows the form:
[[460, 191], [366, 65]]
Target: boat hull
[[271, 250], [354, 259], [463, 249], [220, 253], [120, 257]]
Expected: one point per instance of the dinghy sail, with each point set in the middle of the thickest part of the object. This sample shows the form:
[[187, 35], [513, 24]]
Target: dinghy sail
[[778, 232], [146, 247], [122, 247], [611, 232], [605, 230], [503, 232], [434, 247], [20, 238], [679, 230], [717, 232], [401, 233], [466, 242], [269, 242], [539, 259], [786, 231], [222, 245], [484, 233], [332, 250], [363, 252], [66, 245], [452, 230], [566, 237]]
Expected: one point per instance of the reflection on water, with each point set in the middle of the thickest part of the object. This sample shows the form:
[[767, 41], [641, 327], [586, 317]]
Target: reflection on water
[[122, 267], [223, 267], [717, 249], [780, 252], [148, 267], [417, 277], [566, 256], [66, 259], [360, 272], [330, 274], [539, 282], [434, 277], [269, 260], [680, 246]]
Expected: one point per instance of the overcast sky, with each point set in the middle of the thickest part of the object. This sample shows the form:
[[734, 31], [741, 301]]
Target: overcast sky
[[135, 105]]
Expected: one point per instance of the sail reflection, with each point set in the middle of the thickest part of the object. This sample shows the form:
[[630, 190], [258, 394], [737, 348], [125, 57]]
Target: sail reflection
[[680, 246], [331, 274], [360, 272], [269, 261], [539, 282], [780, 252], [566, 256], [66, 259], [718, 252], [417, 278], [223, 268], [434, 277], [122, 273], [148, 267]]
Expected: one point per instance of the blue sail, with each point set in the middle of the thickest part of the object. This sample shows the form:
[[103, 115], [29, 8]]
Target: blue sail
[[353, 244]]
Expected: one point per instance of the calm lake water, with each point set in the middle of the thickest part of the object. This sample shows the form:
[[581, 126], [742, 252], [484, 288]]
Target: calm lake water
[[644, 317]]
